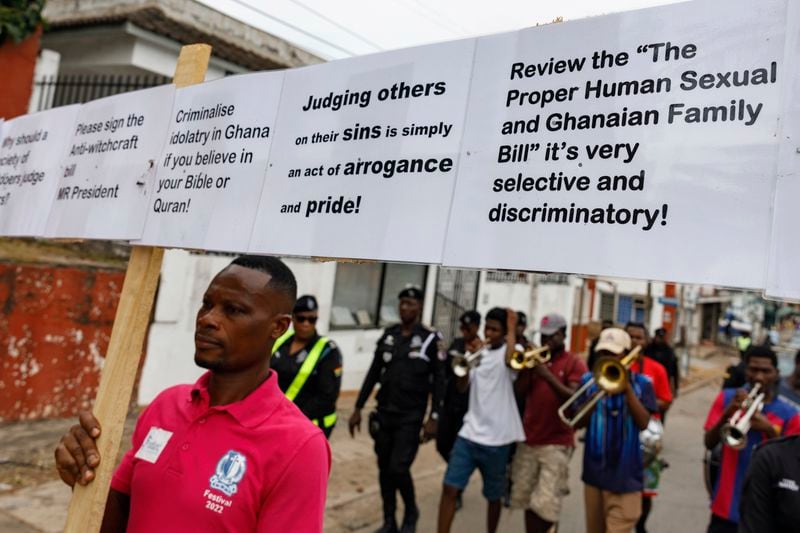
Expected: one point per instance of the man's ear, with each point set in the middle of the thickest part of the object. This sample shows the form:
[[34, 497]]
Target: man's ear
[[282, 323]]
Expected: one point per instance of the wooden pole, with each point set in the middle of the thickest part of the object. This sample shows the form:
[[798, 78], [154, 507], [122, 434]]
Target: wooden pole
[[125, 347]]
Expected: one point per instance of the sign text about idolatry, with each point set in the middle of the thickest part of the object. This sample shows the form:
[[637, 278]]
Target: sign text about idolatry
[[649, 144]]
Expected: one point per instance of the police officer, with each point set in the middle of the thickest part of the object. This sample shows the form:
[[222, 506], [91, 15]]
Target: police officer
[[771, 493], [309, 366], [455, 402], [408, 368]]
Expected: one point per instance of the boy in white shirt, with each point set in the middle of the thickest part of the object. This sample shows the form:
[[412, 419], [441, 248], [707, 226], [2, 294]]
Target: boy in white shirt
[[491, 424]]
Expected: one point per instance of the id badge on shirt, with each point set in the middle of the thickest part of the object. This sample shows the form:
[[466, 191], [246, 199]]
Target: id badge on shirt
[[153, 444]]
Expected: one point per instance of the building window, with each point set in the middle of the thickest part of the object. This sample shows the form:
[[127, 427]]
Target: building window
[[607, 306], [365, 295]]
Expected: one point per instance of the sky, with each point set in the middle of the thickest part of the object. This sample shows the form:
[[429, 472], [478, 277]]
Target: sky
[[333, 29]]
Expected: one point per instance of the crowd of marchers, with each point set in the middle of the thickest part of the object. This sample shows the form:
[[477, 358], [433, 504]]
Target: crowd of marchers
[[245, 447]]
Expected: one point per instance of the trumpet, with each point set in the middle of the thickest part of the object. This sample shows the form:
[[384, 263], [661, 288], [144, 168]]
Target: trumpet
[[529, 358], [463, 363], [734, 432], [611, 376]]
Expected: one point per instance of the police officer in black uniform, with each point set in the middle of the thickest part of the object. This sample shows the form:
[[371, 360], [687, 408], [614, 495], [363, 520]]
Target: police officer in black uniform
[[771, 493], [408, 368], [309, 366], [455, 402]]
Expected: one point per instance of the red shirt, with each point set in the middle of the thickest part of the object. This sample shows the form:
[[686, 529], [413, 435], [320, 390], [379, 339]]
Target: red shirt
[[254, 465], [540, 421], [658, 375], [726, 498]]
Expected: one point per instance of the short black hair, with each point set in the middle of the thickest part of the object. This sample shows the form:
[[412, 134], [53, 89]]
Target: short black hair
[[499, 314], [761, 350], [632, 324], [281, 277]]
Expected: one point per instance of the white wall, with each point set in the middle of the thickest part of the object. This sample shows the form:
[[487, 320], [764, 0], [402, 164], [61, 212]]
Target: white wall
[[46, 65], [184, 279]]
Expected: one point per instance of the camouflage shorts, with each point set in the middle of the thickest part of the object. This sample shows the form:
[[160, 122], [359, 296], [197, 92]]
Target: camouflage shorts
[[540, 477]]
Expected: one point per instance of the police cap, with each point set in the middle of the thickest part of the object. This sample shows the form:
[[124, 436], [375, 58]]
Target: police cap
[[411, 292]]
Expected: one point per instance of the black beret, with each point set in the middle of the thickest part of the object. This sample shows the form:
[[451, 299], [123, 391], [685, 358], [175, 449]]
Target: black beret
[[411, 292], [305, 303], [470, 317]]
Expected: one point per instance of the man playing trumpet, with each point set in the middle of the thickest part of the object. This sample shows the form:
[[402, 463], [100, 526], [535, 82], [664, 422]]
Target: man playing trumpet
[[622, 403], [757, 423], [490, 426], [539, 470]]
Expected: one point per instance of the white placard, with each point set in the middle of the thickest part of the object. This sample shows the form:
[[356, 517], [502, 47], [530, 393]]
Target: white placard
[[644, 102], [211, 171], [783, 280], [365, 156], [30, 167], [110, 166]]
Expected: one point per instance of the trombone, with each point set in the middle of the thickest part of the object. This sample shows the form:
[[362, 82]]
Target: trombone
[[611, 376], [529, 358], [463, 363], [734, 432]]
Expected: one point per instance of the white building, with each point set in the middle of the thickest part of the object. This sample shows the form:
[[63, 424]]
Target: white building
[[358, 299]]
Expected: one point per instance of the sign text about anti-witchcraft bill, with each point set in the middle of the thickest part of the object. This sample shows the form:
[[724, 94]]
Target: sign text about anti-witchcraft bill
[[736, 111], [385, 168]]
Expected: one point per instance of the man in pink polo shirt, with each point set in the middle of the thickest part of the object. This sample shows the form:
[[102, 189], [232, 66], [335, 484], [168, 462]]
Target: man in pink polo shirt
[[229, 453]]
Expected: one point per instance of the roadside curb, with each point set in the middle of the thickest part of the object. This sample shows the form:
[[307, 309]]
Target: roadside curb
[[699, 384]]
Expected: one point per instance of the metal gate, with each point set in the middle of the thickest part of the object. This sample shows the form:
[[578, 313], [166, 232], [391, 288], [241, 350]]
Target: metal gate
[[456, 292], [57, 91]]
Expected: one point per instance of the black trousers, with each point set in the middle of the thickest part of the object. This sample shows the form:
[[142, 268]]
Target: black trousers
[[450, 422], [721, 525], [396, 445]]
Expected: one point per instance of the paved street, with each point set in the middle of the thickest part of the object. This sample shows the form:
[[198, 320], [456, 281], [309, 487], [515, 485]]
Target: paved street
[[354, 500]]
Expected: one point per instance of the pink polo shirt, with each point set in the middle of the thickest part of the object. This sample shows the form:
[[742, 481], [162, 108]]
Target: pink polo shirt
[[253, 465]]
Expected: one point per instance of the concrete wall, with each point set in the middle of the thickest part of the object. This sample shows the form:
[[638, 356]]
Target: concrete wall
[[55, 323]]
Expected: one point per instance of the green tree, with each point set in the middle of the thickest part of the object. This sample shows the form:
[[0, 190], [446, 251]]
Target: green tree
[[19, 18]]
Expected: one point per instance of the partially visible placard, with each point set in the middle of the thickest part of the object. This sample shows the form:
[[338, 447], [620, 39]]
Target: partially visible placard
[[110, 165], [30, 167], [211, 171], [365, 156], [639, 145], [783, 280]]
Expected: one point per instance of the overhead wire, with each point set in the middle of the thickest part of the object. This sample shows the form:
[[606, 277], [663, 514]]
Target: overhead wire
[[298, 29], [337, 24]]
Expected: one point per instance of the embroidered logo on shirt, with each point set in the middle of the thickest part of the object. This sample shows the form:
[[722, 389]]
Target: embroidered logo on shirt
[[230, 471], [416, 341], [788, 484]]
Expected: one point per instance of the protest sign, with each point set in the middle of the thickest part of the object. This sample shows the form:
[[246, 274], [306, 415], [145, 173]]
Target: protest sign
[[110, 165], [632, 145], [782, 278], [365, 156], [211, 171], [30, 168]]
